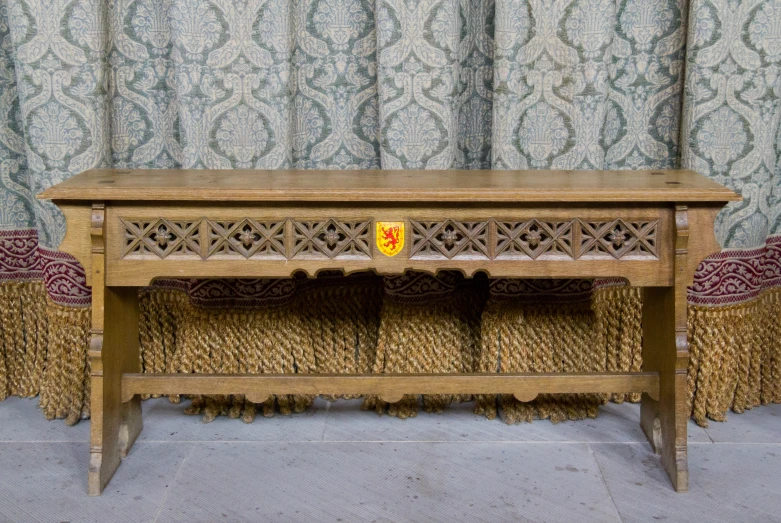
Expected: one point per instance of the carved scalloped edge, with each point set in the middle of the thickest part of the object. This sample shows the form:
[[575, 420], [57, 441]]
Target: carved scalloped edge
[[525, 397], [391, 397]]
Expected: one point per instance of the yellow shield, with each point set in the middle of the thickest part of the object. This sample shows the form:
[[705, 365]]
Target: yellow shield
[[390, 237]]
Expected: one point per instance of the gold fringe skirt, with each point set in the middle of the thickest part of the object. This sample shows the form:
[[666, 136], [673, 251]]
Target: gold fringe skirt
[[338, 324], [735, 360]]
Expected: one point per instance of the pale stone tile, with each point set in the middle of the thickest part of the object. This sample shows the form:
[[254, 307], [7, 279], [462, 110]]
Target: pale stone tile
[[164, 421], [48, 482], [277, 470], [727, 483], [389, 482], [22, 420], [759, 425], [615, 424]]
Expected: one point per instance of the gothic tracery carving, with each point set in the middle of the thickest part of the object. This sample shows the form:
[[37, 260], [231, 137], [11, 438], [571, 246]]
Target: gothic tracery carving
[[618, 238], [534, 238], [332, 239], [161, 237], [449, 239], [246, 237]]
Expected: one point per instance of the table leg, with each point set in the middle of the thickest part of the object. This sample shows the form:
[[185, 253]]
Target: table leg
[[665, 350], [113, 351]]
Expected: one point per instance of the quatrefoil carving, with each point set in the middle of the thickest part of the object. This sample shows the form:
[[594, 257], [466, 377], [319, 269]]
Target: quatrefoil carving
[[161, 237], [618, 238], [332, 239], [246, 237], [431, 240], [449, 239], [534, 238]]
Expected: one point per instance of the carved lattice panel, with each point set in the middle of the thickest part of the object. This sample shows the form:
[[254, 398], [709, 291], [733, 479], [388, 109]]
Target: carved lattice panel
[[332, 239], [618, 239], [534, 239], [432, 240], [449, 239], [247, 237], [161, 238]]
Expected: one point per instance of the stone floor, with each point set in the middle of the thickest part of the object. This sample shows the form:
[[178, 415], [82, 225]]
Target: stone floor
[[336, 463]]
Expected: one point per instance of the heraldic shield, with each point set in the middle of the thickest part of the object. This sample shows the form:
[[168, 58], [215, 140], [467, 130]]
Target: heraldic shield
[[390, 237]]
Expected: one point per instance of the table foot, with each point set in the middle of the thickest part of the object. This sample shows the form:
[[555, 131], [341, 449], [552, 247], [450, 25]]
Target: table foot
[[113, 351], [105, 454], [131, 425], [674, 418], [649, 422]]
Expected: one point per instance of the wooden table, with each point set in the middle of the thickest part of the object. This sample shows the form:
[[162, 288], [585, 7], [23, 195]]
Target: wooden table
[[128, 227]]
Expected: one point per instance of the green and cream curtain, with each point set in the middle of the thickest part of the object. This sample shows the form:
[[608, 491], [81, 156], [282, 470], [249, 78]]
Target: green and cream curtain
[[395, 84]]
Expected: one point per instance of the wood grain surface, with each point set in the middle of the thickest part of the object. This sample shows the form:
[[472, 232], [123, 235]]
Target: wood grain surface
[[390, 387], [128, 227], [391, 186]]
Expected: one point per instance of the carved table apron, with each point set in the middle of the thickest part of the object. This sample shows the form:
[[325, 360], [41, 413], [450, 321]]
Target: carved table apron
[[129, 227]]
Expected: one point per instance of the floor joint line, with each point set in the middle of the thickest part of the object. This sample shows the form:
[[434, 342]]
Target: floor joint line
[[173, 483]]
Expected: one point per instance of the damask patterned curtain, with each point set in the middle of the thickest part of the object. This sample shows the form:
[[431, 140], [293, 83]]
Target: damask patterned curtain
[[395, 84]]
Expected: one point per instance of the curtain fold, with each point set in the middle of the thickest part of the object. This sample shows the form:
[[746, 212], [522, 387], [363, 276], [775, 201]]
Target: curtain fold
[[404, 84]]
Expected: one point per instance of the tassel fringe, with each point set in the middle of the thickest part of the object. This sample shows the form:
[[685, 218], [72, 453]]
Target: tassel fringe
[[601, 335], [735, 357], [43, 351], [338, 325], [435, 336], [329, 327], [23, 337]]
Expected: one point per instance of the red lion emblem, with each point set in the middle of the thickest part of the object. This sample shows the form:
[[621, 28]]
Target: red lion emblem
[[390, 237]]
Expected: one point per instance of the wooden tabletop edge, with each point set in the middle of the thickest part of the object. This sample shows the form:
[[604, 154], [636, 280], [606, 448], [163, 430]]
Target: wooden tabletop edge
[[392, 195]]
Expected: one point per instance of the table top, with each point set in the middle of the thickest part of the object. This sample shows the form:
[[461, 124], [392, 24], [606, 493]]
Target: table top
[[195, 185]]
